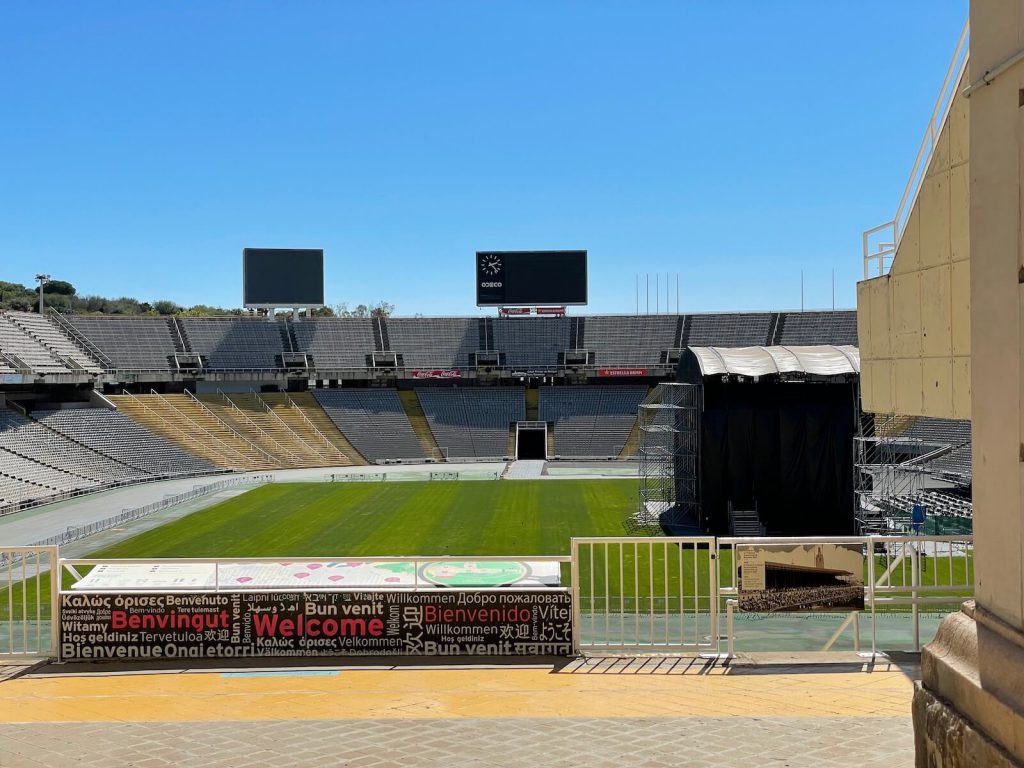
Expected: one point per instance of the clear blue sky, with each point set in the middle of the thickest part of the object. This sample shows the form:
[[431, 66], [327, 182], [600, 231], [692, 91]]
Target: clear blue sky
[[143, 145]]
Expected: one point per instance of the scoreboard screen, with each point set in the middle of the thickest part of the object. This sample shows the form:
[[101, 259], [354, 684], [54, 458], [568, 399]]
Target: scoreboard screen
[[283, 277], [531, 278]]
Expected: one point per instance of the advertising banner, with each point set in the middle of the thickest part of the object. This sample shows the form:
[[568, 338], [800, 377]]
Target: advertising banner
[[622, 372], [550, 310], [514, 311], [800, 577], [221, 625], [454, 374]]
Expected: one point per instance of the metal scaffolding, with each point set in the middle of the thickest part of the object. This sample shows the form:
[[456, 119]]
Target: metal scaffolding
[[669, 453], [893, 472]]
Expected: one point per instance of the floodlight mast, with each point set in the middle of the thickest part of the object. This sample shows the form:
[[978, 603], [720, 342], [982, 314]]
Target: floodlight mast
[[43, 280]]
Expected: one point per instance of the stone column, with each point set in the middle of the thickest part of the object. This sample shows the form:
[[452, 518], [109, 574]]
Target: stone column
[[969, 707]]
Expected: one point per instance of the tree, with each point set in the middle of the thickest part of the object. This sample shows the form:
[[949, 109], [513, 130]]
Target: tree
[[380, 309], [62, 287], [166, 307]]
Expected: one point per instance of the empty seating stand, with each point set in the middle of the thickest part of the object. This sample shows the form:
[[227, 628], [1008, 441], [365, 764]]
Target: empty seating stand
[[20, 351], [808, 328], [373, 420], [531, 342], [473, 422], [232, 343], [37, 442], [130, 343], [143, 343], [37, 464], [46, 333], [733, 329], [630, 340], [938, 433], [123, 440], [434, 342], [591, 421], [335, 343]]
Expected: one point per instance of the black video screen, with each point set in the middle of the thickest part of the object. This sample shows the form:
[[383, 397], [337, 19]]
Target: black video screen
[[531, 278], [283, 277]]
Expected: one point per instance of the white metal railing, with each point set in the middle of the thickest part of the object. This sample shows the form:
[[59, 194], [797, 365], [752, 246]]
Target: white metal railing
[[900, 573], [879, 243], [918, 571], [644, 594], [629, 594], [27, 601]]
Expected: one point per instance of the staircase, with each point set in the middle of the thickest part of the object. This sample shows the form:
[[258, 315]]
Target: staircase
[[893, 425], [745, 523], [295, 407], [551, 440], [632, 444], [247, 415], [418, 420], [188, 423], [300, 412], [532, 400]]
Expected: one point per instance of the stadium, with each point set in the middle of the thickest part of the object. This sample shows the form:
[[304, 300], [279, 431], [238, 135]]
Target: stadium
[[84, 393], [247, 499]]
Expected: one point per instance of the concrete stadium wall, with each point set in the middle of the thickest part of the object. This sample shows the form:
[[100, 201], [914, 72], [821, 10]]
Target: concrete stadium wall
[[914, 323]]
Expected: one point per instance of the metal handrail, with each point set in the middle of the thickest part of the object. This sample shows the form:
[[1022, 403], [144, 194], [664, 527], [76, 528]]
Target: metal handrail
[[228, 427], [87, 346], [174, 427], [292, 404], [894, 229], [287, 427], [253, 424]]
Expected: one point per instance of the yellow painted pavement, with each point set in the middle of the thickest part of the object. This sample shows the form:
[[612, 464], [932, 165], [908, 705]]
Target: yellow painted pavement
[[357, 694]]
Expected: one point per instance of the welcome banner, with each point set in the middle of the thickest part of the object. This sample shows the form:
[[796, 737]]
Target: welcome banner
[[219, 625]]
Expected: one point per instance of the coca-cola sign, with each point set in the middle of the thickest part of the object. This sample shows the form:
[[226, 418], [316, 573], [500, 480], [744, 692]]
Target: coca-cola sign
[[440, 374]]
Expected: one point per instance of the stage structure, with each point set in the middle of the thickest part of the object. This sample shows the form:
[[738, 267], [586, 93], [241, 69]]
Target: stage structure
[[775, 438], [669, 452]]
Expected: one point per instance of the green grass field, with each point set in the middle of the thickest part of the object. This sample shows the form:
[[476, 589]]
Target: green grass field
[[521, 518], [525, 517]]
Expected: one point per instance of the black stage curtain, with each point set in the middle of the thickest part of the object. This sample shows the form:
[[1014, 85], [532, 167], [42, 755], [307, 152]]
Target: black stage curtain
[[786, 446]]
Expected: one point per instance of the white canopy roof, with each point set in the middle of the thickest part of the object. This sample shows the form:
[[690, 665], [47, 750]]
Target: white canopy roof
[[824, 360]]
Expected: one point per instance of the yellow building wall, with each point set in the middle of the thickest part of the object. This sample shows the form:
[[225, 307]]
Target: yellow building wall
[[913, 324]]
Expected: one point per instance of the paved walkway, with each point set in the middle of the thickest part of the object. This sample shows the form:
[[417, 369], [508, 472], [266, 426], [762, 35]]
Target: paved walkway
[[648, 712]]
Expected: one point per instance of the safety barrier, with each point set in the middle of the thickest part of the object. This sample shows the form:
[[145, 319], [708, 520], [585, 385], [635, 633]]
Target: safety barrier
[[644, 594], [905, 579], [27, 600], [222, 578], [628, 594]]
